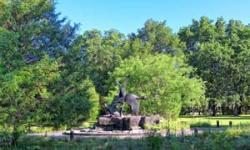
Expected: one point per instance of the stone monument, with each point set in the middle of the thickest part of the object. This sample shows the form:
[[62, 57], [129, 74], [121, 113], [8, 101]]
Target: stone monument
[[115, 120], [114, 123]]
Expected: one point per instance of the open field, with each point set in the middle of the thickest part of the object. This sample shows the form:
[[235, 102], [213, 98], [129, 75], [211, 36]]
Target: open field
[[205, 121], [208, 122]]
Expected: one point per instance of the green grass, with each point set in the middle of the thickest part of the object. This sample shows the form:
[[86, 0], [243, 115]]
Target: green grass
[[212, 121], [228, 140], [187, 122]]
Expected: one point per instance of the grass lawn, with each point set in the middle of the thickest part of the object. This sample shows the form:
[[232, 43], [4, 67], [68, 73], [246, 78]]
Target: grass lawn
[[187, 122], [207, 121]]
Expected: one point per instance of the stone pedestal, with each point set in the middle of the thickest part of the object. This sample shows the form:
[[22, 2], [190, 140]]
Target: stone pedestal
[[109, 123]]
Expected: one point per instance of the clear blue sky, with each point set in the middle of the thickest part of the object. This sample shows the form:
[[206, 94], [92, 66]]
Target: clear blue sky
[[129, 15]]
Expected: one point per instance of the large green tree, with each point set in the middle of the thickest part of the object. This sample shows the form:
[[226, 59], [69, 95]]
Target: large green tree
[[164, 80], [160, 37], [217, 50], [96, 55], [23, 93], [37, 27], [29, 31], [74, 101]]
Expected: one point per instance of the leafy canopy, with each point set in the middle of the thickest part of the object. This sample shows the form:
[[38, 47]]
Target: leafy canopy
[[166, 82]]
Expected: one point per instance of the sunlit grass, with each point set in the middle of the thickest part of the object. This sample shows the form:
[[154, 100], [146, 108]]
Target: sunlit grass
[[212, 121], [187, 122]]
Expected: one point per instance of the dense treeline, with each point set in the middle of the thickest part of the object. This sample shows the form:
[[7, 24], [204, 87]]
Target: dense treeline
[[220, 52], [49, 75]]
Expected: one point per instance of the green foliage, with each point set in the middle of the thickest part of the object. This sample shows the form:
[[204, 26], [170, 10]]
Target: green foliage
[[160, 37], [164, 80], [154, 142], [97, 55], [77, 102], [38, 28], [24, 91], [216, 51], [35, 86], [9, 55], [51, 76]]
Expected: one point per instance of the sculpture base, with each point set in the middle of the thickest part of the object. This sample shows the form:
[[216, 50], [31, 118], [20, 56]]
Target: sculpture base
[[121, 127], [110, 123], [114, 134]]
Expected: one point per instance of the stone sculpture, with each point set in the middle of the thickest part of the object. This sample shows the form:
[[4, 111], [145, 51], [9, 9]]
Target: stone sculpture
[[131, 99]]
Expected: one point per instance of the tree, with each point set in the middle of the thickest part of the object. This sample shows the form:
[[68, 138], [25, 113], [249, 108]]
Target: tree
[[23, 92], [74, 102], [212, 61], [239, 39], [96, 55], [160, 37], [9, 55], [216, 51], [37, 27], [166, 82], [199, 32]]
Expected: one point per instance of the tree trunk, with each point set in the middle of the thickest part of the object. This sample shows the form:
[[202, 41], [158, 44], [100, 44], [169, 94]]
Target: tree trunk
[[15, 136], [240, 107], [240, 110], [102, 105], [236, 110], [214, 110]]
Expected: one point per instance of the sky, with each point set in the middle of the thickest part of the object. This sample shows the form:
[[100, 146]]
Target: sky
[[129, 15]]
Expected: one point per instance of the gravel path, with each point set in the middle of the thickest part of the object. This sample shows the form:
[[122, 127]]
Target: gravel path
[[61, 135]]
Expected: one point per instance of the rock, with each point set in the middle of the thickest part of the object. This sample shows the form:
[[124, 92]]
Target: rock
[[104, 121], [150, 120], [126, 123], [134, 122]]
